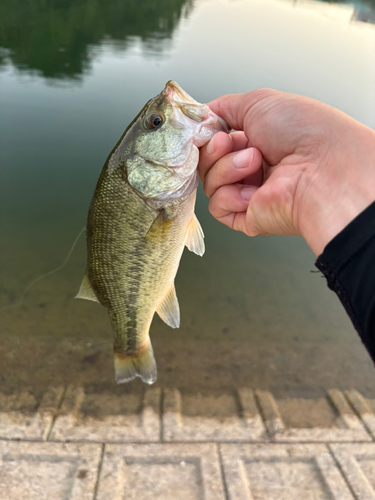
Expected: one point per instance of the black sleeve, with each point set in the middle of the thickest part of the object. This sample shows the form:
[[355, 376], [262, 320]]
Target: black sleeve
[[348, 263]]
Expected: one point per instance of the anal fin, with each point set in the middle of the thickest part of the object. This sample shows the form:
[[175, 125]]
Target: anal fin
[[195, 237], [86, 291], [169, 310]]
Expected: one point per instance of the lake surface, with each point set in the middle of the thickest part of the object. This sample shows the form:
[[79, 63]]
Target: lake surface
[[72, 76]]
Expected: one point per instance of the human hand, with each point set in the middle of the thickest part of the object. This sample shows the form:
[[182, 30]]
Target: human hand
[[319, 167]]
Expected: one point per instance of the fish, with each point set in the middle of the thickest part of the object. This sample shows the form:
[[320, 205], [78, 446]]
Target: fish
[[140, 219]]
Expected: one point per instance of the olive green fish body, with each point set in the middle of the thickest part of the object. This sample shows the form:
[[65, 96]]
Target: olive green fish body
[[140, 218], [131, 263]]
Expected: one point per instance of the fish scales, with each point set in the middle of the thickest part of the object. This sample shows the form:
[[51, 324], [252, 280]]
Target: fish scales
[[128, 275], [140, 218]]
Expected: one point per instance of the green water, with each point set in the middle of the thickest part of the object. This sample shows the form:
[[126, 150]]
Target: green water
[[73, 74]]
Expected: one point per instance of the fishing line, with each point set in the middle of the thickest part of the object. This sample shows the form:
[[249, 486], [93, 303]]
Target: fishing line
[[46, 274]]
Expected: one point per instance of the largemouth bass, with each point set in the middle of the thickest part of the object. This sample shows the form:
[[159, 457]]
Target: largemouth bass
[[140, 218]]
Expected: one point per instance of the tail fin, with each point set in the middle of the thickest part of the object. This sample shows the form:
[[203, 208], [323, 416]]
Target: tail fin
[[139, 364]]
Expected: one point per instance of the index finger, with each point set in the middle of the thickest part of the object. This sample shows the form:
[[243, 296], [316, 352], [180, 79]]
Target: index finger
[[220, 145]]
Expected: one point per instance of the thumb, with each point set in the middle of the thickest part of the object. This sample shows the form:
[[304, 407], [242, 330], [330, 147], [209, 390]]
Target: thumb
[[235, 108]]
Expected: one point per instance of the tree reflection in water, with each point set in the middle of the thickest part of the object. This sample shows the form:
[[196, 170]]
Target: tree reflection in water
[[53, 37]]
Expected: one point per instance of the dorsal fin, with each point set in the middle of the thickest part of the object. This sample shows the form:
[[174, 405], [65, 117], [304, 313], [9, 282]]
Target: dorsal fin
[[169, 310], [195, 237], [86, 291]]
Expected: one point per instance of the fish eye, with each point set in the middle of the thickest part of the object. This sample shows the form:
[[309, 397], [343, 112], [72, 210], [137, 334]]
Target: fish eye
[[155, 121]]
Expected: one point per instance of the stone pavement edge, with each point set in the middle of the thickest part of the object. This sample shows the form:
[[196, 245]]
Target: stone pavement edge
[[97, 443]]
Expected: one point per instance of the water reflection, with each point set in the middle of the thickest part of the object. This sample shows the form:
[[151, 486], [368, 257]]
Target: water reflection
[[360, 6], [363, 11], [54, 38], [252, 313], [364, 16]]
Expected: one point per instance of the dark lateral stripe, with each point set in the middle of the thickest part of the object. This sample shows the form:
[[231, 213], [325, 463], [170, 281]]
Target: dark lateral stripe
[[131, 309]]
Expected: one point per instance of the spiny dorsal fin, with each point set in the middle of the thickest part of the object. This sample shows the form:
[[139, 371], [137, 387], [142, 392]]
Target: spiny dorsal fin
[[194, 237], [86, 291], [169, 310]]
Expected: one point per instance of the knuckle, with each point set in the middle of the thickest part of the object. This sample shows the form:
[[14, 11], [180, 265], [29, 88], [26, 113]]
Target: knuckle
[[252, 232], [220, 196], [212, 207], [263, 93], [250, 229], [206, 189]]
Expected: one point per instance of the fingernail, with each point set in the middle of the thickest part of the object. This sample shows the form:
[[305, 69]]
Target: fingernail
[[244, 158], [247, 192], [210, 148]]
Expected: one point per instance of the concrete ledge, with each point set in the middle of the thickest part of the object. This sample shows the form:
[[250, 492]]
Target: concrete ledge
[[28, 416], [357, 462], [48, 471], [365, 409], [227, 417], [262, 471], [325, 420], [123, 414], [282, 472], [165, 471], [107, 417]]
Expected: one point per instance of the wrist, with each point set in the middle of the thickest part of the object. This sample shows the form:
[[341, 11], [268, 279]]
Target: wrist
[[328, 222], [343, 188]]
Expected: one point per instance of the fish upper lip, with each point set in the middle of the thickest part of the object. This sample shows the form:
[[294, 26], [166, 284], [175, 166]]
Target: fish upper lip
[[173, 91]]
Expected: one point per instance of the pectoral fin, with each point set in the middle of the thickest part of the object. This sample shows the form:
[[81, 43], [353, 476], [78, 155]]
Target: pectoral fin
[[86, 291], [159, 227], [169, 310], [195, 237]]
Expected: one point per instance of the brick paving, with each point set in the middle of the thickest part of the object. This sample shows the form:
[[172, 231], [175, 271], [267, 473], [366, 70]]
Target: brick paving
[[92, 443]]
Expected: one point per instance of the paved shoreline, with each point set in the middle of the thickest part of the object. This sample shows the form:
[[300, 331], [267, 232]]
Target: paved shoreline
[[95, 443]]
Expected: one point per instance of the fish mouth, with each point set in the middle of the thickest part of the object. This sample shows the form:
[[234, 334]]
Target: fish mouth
[[216, 122], [177, 94], [180, 99], [193, 109]]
